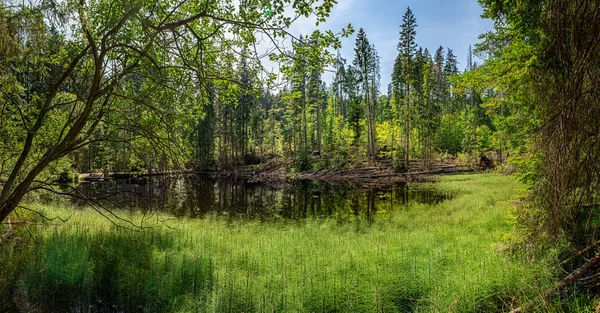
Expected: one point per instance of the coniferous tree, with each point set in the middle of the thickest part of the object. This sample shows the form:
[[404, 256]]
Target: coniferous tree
[[418, 105], [244, 108], [338, 85], [450, 68], [315, 100], [396, 94], [299, 95], [205, 137], [407, 48], [362, 63], [375, 80], [355, 109], [440, 78], [469, 59], [452, 133], [431, 111]]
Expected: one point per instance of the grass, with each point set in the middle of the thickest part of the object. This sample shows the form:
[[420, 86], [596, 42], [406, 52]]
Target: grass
[[420, 258]]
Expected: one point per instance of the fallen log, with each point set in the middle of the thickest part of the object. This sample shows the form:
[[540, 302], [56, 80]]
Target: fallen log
[[577, 255], [441, 171], [565, 282]]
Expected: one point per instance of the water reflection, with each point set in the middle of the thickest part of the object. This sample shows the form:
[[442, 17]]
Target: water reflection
[[198, 196]]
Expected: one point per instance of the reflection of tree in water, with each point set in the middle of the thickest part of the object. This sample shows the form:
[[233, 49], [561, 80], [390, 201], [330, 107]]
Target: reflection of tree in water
[[199, 196]]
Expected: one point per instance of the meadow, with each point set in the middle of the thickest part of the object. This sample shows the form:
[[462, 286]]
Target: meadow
[[445, 257]]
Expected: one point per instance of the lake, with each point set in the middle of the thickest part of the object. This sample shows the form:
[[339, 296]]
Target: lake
[[198, 196]]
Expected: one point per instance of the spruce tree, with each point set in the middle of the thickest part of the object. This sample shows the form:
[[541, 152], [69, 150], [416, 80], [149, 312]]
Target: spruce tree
[[244, 107], [451, 65], [469, 59], [407, 48], [355, 110], [450, 68], [375, 79], [396, 93], [366, 63], [440, 79], [338, 85], [314, 98], [430, 114]]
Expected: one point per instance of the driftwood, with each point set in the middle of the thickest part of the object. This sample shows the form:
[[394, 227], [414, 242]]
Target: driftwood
[[573, 277]]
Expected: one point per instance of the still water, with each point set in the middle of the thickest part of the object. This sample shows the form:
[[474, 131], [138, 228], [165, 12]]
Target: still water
[[195, 196]]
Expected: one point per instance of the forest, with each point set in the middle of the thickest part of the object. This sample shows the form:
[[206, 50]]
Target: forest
[[152, 159]]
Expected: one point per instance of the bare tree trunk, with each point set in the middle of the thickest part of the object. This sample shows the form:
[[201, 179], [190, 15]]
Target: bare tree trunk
[[319, 141], [406, 131], [373, 116], [369, 120], [304, 131]]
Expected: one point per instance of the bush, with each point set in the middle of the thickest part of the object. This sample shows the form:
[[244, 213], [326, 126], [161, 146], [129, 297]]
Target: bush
[[399, 164], [302, 161], [68, 177]]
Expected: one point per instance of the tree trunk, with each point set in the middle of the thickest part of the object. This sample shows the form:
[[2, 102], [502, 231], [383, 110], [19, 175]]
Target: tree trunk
[[373, 115], [406, 131], [5, 210], [369, 122], [319, 127], [304, 131]]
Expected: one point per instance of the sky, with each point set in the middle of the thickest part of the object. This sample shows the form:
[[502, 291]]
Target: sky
[[453, 24]]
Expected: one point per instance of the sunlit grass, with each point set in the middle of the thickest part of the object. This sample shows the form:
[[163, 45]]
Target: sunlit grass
[[420, 258]]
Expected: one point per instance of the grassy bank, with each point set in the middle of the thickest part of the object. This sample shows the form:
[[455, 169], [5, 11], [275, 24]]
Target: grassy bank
[[420, 258]]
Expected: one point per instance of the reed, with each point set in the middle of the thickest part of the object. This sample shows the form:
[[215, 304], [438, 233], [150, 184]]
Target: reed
[[417, 258]]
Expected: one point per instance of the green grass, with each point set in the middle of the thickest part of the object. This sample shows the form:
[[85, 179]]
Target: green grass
[[420, 258]]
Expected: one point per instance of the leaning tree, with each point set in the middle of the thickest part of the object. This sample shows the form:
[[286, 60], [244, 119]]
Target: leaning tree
[[75, 73]]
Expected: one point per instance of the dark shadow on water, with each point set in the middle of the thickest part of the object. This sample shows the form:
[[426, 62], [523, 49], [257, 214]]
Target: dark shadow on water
[[238, 198]]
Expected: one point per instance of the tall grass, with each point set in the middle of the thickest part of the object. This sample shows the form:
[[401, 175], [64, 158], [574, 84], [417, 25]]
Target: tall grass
[[418, 258]]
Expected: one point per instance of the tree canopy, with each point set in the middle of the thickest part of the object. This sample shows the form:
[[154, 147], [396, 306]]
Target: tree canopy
[[134, 76]]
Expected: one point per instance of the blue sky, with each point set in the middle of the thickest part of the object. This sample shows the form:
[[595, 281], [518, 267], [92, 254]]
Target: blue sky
[[454, 24]]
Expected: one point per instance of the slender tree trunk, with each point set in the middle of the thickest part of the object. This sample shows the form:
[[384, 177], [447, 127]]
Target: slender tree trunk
[[369, 121], [474, 125], [373, 116], [304, 131], [407, 131], [319, 127]]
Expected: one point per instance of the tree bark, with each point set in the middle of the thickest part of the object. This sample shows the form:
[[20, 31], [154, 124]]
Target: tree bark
[[407, 131]]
